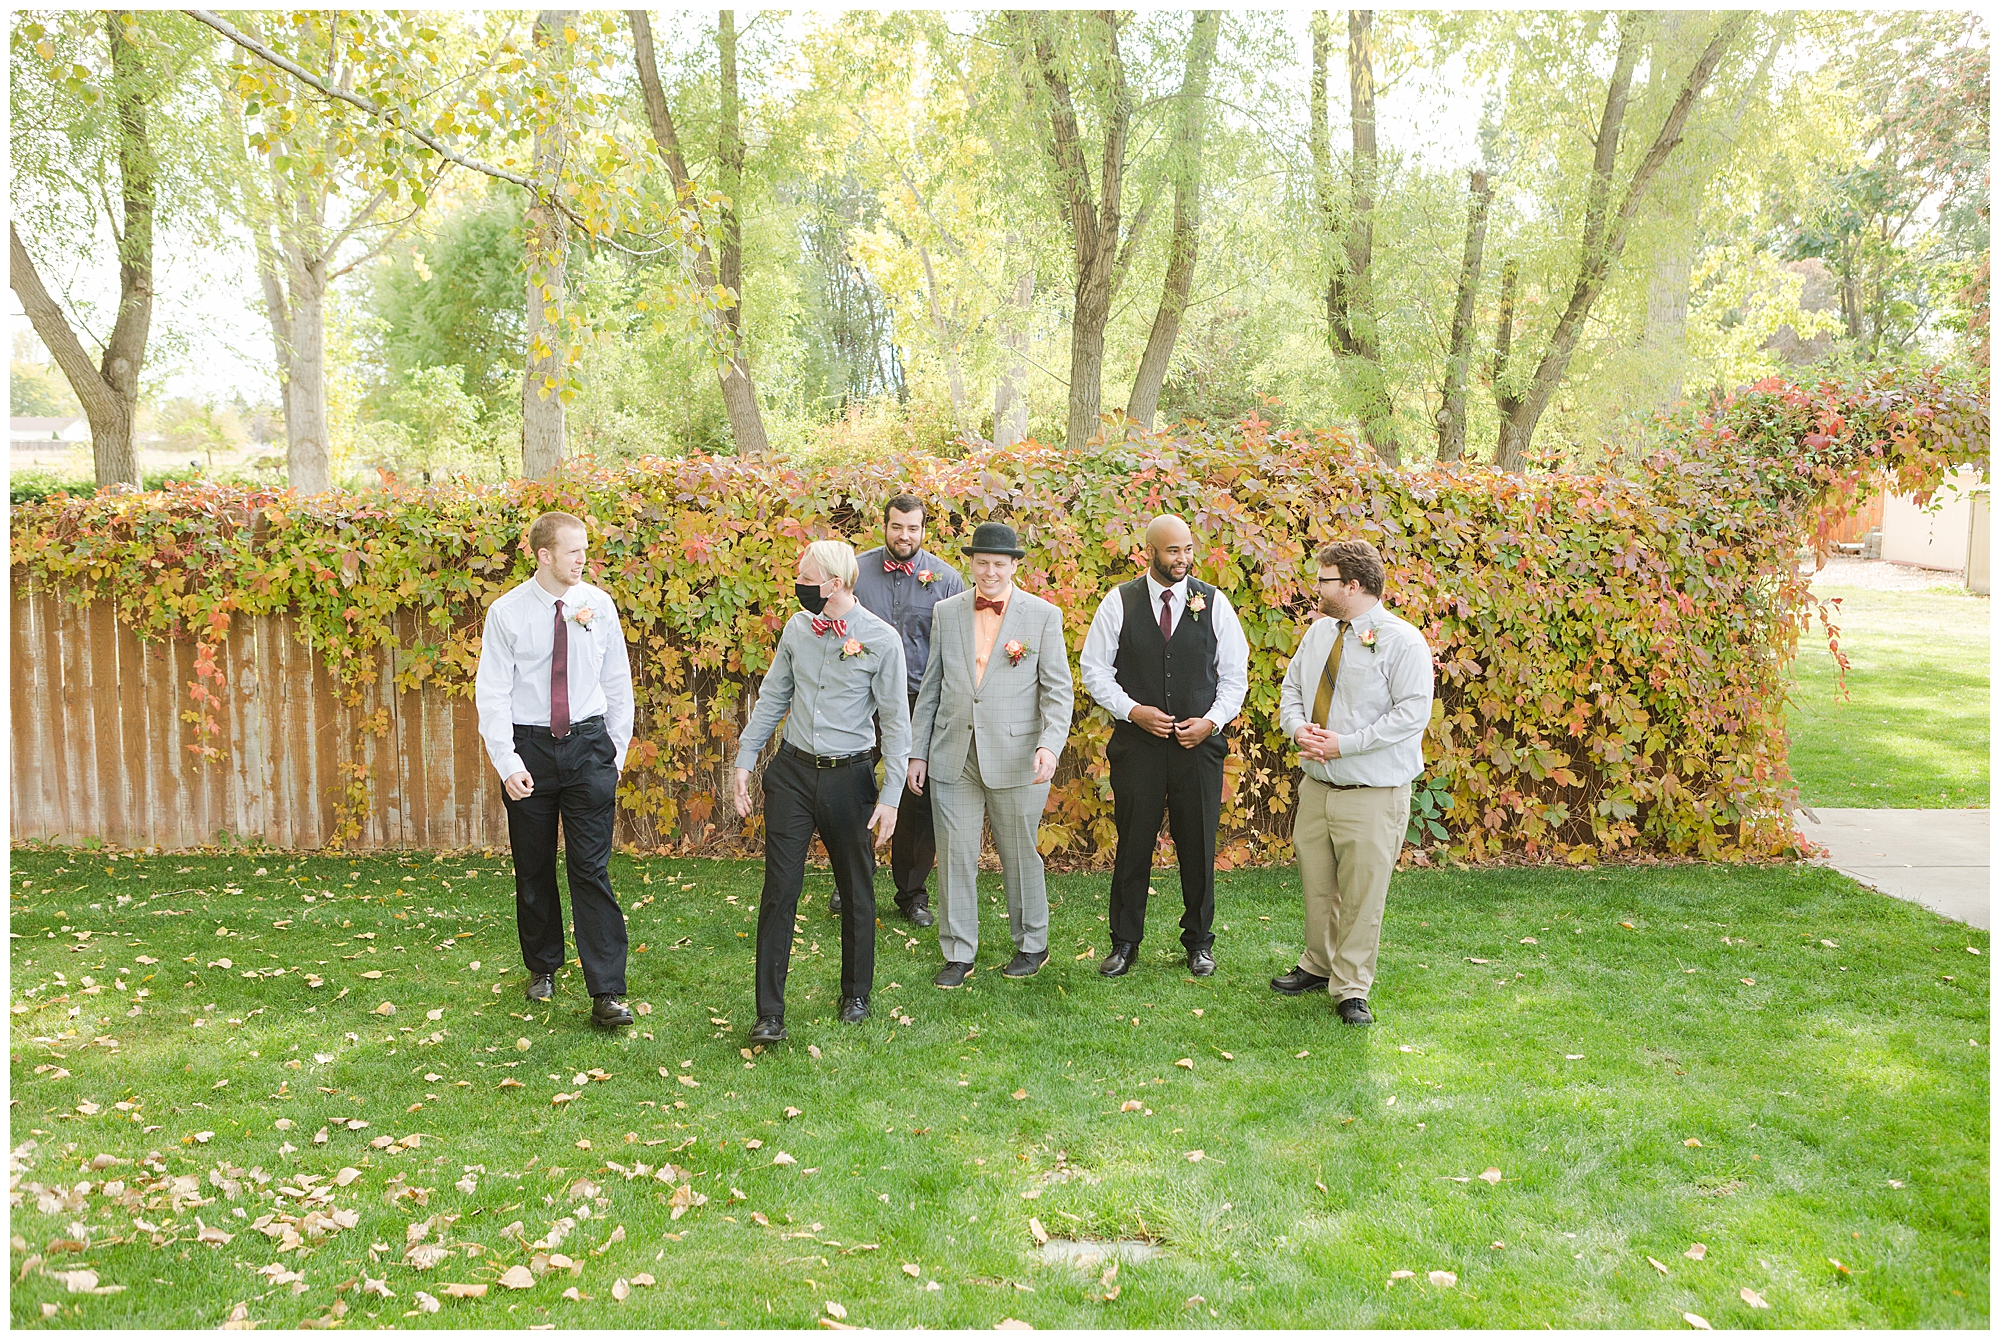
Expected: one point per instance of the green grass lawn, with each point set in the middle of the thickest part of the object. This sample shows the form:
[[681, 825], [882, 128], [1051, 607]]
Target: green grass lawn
[[1913, 732], [1772, 1063]]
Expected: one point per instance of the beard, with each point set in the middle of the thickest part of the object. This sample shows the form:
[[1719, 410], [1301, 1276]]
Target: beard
[[1165, 575], [899, 552]]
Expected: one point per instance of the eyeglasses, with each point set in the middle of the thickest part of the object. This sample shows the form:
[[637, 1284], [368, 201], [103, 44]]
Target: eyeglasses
[[1337, 581]]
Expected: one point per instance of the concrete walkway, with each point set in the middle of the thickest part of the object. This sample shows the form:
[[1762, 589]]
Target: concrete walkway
[[1940, 859]]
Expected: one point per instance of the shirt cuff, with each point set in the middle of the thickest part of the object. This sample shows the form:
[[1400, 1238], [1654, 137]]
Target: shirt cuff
[[510, 765], [1350, 745], [746, 758]]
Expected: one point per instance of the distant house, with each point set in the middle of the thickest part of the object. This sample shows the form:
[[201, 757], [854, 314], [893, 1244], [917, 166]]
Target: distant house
[[44, 433]]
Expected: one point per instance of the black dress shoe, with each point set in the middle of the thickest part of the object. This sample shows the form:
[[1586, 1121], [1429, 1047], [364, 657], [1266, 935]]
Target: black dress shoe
[[770, 1028], [920, 914], [1119, 961], [1201, 962], [541, 985], [1354, 1010], [1024, 964], [853, 1009], [609, 1012], [833, 905], [1297, 982], [952, 975]]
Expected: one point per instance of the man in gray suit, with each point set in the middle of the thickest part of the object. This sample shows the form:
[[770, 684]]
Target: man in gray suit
[[992, 716]]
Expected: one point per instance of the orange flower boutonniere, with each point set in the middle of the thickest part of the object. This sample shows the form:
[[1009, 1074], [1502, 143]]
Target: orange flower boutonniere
[[852, 647], [1016, 649]]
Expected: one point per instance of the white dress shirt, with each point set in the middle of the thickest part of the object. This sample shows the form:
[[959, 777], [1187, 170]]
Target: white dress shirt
[[1100, 649], [517, 652], [1381, 699]]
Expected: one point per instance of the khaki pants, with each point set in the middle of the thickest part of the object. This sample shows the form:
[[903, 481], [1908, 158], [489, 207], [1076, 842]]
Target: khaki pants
[[1347, 843]]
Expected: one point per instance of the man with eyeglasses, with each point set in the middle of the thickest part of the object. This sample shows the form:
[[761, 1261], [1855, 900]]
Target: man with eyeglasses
[[1356, 700]]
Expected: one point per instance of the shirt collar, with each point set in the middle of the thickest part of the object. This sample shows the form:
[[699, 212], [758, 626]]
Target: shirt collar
[[1153, 588], [570, 598]]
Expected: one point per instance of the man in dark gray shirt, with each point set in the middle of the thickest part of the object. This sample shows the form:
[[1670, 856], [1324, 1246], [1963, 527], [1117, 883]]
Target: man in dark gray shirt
[[900, 583], [837, 678]]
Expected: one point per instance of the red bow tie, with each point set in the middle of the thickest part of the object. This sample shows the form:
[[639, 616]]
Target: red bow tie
[[908, 565], [821, 625], [982, 603]]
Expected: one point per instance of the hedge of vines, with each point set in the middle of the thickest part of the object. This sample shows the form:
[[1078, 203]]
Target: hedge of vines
[[1611, 651]]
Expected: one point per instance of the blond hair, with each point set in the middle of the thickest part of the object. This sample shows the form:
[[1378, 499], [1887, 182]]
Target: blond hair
[[548, 526], [836, 559]]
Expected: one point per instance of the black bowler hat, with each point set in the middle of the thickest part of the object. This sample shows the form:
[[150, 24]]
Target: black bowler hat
[[994, 537]]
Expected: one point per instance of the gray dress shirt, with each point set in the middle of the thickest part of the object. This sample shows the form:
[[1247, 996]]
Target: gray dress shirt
[[830, 702], [1381, 699], [905, 601]]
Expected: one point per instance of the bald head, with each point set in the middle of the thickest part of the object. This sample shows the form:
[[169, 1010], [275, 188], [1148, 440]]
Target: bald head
[[1170, 547]]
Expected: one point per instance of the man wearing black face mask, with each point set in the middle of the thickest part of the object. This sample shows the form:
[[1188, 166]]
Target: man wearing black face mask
[[838, 672]]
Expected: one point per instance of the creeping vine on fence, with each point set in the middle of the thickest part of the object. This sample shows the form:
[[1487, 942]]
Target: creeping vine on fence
[[1611, 651]]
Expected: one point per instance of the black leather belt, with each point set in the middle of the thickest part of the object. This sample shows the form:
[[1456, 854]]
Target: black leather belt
[[826, 760]]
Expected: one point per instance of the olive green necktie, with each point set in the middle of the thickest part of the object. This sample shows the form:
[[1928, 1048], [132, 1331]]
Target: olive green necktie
[[1323, 700]]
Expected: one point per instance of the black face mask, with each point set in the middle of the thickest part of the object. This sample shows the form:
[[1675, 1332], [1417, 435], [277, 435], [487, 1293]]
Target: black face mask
[[809, 597]]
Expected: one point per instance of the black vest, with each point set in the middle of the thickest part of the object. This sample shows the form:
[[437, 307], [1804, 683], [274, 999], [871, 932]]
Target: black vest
[[1176, 675]]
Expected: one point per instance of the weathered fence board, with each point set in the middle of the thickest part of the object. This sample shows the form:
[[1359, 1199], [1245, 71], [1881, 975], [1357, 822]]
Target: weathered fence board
[[100, 749]]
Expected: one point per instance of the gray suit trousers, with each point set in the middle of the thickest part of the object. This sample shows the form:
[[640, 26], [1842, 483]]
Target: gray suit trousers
[[1015, 812]]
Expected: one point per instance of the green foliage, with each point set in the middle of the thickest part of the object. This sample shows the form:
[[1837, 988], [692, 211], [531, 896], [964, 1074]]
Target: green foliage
[[1610, 653], [39, 391]]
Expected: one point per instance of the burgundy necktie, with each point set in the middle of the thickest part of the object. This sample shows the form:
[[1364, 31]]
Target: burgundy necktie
[[908, 565], [1167, 613], [820, 626], [982, 603], [559, 679]]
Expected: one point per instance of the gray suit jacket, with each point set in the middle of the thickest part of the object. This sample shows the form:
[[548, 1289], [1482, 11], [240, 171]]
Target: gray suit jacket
[[1014, 711]]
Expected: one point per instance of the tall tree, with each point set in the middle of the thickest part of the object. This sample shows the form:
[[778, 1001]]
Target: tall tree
[[1101, 239], [1190, 120], [303, 204], [1605, 226], [109, 388], [1458, 357], [1352, 325], [547, 240], [739, 389]]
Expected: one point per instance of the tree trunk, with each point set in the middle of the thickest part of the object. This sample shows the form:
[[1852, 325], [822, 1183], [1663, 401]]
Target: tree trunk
[[1010, 397], [109, 390], [739, 389], [1095, 226], [308, 440], [1604, 230], [1321, 136], [1451, 416], [547, 238], [1377, 403], [1185, 241], [954, 375]]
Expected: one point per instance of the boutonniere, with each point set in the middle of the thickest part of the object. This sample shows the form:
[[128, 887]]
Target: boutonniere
[[1016, 649], [582, 615], [1196, 604], [925, 576], [1368, 638], [851, 647]]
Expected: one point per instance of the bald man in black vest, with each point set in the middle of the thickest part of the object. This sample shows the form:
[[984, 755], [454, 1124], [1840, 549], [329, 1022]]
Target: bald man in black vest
[[1167, 658]]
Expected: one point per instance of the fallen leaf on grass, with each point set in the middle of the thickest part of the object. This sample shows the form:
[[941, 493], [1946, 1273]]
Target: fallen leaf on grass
[[1752, 1297], [781, 1157], [1444, 1279], [1529, 940], [511, 1083], [466, 1290], [791, 1112], [379, 1287], [1572, 1056], [214, 1235], [1185, 1063], [1131, 1105], [812, 1050], [426, 1303], [76, 1281], [1692, 1143], [385, 1008], [753, 1144], [1019, 1094], [1195, 1156], [1491, 1177], [1657, 1265], [1699, 1323], [1696, 1252], [912, 1269], [642, 1281], [691, 1082], [1012, 1324], [1835, 1263], [835, 1310], [239, 1318], [372, 974]]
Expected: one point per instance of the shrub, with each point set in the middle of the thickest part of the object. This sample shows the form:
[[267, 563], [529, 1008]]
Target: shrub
[[1611, 652]]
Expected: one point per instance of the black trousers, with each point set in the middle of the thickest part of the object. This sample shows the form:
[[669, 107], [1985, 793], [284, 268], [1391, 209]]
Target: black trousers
[[799, 800], [913, 847], [576, 784], [1151, 779]]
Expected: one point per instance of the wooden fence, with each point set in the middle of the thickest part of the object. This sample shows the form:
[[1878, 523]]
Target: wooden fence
[[100, 749]]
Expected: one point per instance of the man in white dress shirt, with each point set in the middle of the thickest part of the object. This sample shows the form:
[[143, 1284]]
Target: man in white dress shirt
[[554, 692], [1167, 658], [1356, 699]]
